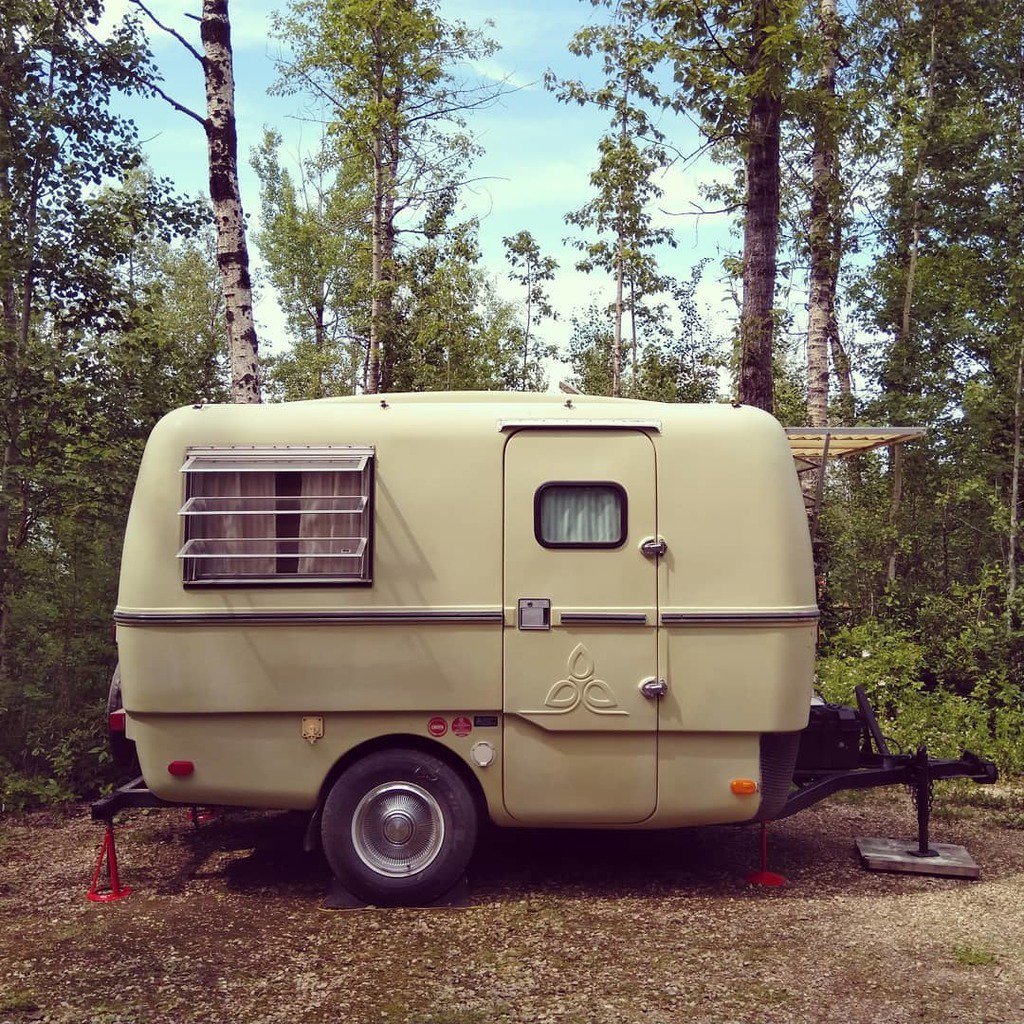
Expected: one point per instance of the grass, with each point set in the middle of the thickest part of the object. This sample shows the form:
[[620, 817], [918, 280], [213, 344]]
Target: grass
[[19, 1000], [973, 956]]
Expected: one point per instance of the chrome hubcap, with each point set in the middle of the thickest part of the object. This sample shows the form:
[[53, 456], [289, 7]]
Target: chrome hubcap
[[397, 829]]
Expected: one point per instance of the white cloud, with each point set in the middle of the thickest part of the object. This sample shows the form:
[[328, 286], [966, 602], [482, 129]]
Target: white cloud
[[493, 71]]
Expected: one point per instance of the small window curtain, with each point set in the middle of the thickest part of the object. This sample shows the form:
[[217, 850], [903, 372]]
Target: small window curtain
[[581, 515], [238, 530], [325, 533]]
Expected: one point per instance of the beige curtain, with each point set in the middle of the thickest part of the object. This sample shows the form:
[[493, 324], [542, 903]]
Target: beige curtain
[[235, 528], [326, 533]]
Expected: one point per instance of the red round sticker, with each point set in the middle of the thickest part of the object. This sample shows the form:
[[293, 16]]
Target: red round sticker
[[462, 726], [437, 726]]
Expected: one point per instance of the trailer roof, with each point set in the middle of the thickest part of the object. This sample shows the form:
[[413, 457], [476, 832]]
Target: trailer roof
[[811, 445]]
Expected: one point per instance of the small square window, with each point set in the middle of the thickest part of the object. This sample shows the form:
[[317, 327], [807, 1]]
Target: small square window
[[277, 515], [580, 515]]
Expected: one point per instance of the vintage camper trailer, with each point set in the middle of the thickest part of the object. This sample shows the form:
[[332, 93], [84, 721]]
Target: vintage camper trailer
[[407, 613]]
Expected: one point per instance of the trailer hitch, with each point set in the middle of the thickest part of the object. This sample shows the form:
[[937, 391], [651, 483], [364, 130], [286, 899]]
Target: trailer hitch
[[881, 767]]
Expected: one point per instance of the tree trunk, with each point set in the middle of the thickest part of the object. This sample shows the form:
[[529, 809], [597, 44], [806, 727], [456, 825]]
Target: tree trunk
[[232, 251], [894, 509], [824, 258], [376, 249], [617, 334], [529, 315], [1011, 556], [620, 259], [632, 333], [15, 327], [761, 223], [902, 347], [1015, 294], [389, 280]]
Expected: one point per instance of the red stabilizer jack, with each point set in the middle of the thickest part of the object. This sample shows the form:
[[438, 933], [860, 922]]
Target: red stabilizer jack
[[764, 876], [201, 815], [112, 890]]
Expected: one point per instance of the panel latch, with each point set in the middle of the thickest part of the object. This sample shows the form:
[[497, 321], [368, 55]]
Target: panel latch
[[534, 613]]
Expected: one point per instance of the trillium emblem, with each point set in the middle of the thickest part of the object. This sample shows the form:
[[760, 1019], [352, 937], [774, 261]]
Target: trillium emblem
[[581, 687]]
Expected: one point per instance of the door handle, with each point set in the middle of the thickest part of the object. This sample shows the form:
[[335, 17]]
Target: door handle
[[653, 547], [652, 689]]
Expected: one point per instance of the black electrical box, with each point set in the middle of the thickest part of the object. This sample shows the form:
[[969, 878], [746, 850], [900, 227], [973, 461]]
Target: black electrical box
[[832, 740]]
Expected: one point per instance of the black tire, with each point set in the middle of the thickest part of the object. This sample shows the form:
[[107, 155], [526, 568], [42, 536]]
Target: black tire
[[122, 749], [399, 827]]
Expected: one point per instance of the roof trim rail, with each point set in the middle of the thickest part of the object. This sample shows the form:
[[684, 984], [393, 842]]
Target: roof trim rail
[[578, 424]]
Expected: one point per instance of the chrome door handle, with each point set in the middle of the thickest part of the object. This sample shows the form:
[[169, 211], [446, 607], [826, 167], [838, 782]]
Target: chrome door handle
[[652, 689], [653, 547]]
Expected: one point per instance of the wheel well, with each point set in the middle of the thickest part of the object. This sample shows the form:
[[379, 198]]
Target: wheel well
[[390, 742]]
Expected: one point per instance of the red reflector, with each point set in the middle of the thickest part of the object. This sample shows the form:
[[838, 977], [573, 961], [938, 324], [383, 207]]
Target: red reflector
[[115, 721], [181, 768]]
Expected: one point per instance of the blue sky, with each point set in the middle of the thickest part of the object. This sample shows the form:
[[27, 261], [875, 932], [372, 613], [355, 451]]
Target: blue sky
[[537, 158]]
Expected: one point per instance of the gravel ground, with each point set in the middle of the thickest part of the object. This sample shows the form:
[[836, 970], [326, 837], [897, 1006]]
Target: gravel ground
[[226, 925]]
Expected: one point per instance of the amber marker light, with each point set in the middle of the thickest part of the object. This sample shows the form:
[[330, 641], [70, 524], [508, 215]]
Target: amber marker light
[[743, 787]]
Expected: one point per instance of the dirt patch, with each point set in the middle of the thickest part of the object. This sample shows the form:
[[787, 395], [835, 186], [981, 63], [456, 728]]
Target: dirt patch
[[225, 925]]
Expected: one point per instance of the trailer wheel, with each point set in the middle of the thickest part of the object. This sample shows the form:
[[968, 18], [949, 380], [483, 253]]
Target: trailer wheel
[[399, 827]]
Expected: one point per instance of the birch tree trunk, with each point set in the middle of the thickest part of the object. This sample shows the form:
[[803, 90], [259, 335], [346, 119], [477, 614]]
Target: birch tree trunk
[[761, 223], [388, 266], [824, 258], [376, 260], [232, 251]]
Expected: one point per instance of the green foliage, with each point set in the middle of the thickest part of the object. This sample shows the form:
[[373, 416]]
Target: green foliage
[[675, 360], [452, 330], [531, 269], [314, 240], [907, 676], [386, 70], [621, 235]]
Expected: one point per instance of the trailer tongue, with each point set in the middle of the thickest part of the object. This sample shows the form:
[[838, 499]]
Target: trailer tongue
[[844, 748]]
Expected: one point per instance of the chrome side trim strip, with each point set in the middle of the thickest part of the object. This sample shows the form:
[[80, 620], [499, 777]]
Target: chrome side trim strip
[[300, 618], [601, 619], [789, 616]]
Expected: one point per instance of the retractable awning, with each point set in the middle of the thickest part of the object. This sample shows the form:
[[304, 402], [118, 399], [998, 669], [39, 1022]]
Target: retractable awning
[[811, 446]]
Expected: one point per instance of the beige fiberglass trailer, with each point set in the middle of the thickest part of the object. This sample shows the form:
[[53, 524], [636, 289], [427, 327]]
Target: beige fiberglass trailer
[[405, 613]]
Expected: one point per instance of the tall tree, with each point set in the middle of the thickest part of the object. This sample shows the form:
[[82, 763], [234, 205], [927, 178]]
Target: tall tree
[[630, 155], [733, 64], [824, 229], [387, 69], [677, 361], [314, 240], [217, 63], [59, 139], [452, 330], [533, 271]]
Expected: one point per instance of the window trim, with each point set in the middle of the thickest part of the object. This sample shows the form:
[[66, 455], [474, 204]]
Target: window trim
[[606, 545], [250, 457]]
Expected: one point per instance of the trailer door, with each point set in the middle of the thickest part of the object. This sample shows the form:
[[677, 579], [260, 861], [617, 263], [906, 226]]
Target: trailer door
[[580, 597]]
